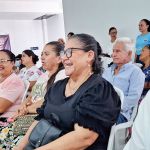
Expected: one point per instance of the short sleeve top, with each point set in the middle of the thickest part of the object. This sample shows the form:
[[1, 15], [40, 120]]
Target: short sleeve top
[[97, 108], [30, 74], [141, 41], [12, 89]]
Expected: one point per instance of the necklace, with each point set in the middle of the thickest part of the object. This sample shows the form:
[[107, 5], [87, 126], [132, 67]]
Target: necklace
[[73, 88]]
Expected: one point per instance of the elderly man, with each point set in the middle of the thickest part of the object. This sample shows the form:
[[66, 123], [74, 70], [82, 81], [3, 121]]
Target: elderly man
[[126, 76]]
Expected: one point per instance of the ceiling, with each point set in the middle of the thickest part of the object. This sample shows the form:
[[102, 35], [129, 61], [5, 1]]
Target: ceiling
[[29, 9]]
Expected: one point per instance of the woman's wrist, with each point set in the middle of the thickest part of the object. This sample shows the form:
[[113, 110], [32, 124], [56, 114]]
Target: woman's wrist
[[27, 110]]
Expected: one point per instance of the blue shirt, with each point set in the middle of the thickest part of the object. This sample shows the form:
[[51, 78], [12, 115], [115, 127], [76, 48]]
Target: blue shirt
[[130, 80], [141, 41]]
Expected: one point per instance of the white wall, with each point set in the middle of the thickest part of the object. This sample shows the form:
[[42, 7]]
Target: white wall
[[16, 19], [28, 33], [23, 34], [55, 27], [97, 16]]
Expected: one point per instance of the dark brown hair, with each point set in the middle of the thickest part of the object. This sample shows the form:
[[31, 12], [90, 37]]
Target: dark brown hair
[[89, 43], [147, 23], [57, 48]]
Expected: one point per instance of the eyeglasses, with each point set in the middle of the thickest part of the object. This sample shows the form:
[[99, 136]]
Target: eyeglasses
[[113, 32], [3, 61], [68, 52]]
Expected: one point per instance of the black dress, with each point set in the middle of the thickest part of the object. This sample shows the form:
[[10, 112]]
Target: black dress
[[97, 109]]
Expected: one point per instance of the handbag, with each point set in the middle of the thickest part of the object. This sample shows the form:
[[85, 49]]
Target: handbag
[[43, 133], [22, 124]]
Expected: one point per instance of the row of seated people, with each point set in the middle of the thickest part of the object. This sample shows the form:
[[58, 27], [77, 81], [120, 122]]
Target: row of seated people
[[122, 75], [30, 72], [54, 73]]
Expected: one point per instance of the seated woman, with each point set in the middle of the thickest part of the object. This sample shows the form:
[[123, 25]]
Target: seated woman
[[30, 72], [86, 117], [145, 58], [11, 90], [11, 86], [18, 64], [51, 62]]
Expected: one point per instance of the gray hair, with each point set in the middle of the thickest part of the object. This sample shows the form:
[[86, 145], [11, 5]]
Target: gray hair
[[127, 43]]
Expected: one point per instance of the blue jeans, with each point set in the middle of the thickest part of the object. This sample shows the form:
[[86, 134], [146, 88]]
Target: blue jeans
[[121, 119]]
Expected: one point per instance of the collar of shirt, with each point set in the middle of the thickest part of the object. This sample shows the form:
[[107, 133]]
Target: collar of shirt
[[124, 67]]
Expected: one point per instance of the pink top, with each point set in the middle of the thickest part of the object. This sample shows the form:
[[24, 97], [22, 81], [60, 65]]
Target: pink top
[[12, 89]]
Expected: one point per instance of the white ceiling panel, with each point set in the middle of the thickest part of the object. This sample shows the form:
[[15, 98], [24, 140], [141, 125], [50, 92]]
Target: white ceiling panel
[[28, 9]]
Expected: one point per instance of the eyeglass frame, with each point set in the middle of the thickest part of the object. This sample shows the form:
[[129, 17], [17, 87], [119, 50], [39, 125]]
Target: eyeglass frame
[[3, 61], [115, 32], [64, 52]]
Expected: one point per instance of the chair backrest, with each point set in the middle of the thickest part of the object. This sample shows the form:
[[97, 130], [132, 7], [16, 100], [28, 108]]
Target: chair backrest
[[26, 84], [120, 93], [118, 136], [119, 133], [138, 65], [134, 112], [111, 138]]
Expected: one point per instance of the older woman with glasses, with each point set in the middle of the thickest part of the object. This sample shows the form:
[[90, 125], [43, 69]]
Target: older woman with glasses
[[11, 86], [85, 104], [11, 90]]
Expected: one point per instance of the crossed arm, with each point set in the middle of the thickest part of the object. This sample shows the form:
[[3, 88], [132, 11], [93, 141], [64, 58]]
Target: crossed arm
[[28, 107]]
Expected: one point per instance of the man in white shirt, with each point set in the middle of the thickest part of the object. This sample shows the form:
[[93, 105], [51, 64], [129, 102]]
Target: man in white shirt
[[108, 50]]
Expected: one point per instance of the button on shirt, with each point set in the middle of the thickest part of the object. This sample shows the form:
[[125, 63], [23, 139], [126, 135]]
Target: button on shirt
[[130, 80]]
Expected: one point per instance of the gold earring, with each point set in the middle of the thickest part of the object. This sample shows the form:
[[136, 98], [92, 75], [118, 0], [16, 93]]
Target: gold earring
[[89, 65]]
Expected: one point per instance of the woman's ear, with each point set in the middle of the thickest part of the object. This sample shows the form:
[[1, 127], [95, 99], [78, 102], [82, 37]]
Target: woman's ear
[[91, 55], [31, 58], [59, 60]]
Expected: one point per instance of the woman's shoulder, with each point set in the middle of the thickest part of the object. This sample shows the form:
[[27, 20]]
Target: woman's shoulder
[[100, 81], [23, 70], [34, 69], [13, 79], [58, 87], [60, 82], [60, 75]]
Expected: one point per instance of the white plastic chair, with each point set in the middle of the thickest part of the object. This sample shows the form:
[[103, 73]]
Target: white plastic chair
[[111, 138], [120, 93], [26, 84], [138, 65], [119, 133]]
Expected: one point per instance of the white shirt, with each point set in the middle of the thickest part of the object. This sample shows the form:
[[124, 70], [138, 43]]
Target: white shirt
[[107, 50], [30, 74]]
